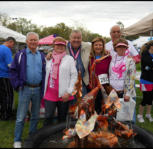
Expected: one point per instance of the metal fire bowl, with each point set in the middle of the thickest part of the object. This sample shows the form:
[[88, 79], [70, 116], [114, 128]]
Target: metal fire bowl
[[51, 137]]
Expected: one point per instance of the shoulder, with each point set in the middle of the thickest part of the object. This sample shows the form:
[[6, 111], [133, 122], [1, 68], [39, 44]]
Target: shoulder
[[130, 59], [68, 57], [4, 49], [109, 43], [20, 53], [86, 45]]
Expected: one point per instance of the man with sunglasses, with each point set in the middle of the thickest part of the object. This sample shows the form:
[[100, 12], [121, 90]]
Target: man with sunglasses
[[115, 34]]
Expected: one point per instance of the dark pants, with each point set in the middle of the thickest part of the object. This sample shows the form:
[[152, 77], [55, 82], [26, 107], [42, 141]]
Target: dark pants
[[147, 98], [6, 99], [98, 102], [50, 107]]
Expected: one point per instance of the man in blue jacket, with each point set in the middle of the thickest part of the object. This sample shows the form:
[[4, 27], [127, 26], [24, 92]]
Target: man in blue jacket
[[27, 74]]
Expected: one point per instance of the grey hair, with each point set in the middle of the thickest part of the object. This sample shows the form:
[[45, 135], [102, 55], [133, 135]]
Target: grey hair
[[32, 33], [75, 31]]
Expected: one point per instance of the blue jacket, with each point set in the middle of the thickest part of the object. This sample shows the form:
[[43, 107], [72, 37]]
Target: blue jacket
[[17, 70]]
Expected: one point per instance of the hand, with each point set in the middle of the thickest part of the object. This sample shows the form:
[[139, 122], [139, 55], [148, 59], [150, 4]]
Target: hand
[[107, 52], [49, 56], [126, 98], [65, 97]]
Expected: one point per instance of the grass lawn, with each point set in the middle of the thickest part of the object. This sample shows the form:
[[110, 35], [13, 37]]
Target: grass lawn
[[7, 127]]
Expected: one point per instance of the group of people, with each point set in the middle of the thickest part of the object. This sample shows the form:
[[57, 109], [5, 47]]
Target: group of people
[[53, 77]]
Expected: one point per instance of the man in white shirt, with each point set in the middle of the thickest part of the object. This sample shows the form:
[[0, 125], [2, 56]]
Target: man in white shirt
[[115, 34]]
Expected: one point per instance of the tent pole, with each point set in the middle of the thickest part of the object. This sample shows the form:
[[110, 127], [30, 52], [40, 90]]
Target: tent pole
[[151, 33]]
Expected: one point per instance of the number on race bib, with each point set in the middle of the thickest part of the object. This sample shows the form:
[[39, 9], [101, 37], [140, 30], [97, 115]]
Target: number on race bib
[[103, 78]]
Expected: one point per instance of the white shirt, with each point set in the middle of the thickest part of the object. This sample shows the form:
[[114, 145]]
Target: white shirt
[[116, 82], [131, 48]]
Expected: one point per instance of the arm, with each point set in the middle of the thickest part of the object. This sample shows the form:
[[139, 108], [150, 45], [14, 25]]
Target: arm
[[134, 53], [129, 89], [73, 77], [13, 72]]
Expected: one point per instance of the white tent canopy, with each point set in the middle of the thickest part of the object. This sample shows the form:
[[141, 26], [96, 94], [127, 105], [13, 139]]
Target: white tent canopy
[[140, 41], [6, 32], [144, 27]]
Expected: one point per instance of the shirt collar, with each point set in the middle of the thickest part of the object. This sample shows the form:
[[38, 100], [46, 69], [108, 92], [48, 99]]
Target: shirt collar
[[72, 47], [29, 51]]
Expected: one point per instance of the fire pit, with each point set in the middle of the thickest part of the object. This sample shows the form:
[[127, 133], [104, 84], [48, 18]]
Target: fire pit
[[92, 130], [51, 137]]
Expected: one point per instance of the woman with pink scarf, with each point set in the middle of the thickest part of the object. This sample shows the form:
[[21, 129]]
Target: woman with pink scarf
[[122, 71], [61, 75]]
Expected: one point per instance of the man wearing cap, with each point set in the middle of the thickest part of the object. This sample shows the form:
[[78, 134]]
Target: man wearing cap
[[115, 34], [6, 90], [27, 74], [61, 75]]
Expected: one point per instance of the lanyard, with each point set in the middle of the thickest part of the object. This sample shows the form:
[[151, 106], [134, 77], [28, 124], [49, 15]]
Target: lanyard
[[77, 54]]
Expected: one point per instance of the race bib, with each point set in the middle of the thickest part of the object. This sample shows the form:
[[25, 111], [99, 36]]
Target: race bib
[[103, 78]]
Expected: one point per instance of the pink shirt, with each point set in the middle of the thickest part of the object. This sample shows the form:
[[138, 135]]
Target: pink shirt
[[52, 92]]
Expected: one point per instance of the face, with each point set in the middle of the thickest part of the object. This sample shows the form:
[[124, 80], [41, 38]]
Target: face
[[11, 44], [59, 48], [151, 47], [98, 47], [115, 33], [32, 42], [75, 40], [121, 50]]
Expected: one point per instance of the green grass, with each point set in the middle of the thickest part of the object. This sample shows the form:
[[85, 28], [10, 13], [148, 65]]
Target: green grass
[[138, 67], [7, 127]]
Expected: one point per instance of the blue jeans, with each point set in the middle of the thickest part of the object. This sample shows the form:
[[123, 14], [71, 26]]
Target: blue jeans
[[25, 96]]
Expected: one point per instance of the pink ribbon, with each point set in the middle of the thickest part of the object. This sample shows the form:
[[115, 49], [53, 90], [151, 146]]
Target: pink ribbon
[[127, 52], [119, 69]]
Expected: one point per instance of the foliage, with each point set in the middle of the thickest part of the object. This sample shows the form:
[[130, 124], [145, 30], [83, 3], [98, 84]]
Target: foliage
[[24, 26]]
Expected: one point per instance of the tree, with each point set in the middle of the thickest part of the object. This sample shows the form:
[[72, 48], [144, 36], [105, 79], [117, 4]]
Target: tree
[[4, 19], [23, 26]]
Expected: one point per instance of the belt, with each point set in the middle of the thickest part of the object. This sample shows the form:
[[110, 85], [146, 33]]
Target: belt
[[33, 85]]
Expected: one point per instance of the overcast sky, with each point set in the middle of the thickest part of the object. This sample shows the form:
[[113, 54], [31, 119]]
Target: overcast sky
[[96, 16]]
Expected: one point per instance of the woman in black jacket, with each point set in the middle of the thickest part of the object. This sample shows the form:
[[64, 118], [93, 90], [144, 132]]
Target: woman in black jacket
[[146, 81]]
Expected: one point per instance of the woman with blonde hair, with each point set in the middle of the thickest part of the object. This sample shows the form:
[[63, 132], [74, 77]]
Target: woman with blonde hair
[[61, 75], [99, 61], [146, 81]]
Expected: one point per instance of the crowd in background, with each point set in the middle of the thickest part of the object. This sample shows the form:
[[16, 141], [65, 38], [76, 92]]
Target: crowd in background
[[50, 79]]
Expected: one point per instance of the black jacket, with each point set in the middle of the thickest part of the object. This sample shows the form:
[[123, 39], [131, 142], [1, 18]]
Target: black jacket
[[146, 66]]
